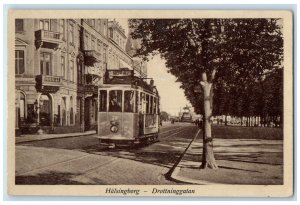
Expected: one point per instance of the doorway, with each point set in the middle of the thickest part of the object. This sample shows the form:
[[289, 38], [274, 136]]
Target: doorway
[[45, 110]]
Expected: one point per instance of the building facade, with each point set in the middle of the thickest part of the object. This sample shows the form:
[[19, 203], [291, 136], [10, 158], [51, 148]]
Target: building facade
[[117, 55], [138, 64], [59, 66]]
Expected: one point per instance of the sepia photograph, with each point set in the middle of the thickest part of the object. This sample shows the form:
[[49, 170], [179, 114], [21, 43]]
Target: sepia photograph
[[150, 103]]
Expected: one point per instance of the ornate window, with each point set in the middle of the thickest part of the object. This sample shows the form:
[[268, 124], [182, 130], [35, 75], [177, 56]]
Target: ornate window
[[19, 61], [45, 24], [45, 63]]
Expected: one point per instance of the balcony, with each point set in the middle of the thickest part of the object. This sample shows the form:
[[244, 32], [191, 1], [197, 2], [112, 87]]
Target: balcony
[[47, 39], [91, 57], [47, 83], [92, 74]]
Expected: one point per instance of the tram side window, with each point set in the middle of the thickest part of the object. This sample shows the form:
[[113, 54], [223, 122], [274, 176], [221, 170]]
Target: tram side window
[[147, 103], [151, 105], [129, 101], [154, 106], [136, 101], [142, 102], [103, 101], [115, 101]]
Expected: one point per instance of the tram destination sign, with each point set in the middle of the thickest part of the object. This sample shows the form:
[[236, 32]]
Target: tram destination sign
[[120, 73], [119, 76]]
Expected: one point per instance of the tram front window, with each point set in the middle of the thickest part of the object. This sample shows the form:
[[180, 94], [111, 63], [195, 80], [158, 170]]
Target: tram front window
[[115, 101], [128, 101]]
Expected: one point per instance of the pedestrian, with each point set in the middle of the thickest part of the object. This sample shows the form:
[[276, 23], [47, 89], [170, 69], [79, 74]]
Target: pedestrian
[[114, 105]]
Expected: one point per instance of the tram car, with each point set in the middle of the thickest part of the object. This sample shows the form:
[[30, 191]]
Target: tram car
[[128, 110], [186, 117]]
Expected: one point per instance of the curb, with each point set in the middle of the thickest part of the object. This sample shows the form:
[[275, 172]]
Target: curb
[[175, 177], [174, 172], [54, 137], [171, 172]]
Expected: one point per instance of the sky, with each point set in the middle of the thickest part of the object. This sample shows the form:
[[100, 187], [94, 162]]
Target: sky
[[172, 98]]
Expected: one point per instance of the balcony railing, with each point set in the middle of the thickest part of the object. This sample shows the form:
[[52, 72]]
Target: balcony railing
[[47, 83], [49, 39]]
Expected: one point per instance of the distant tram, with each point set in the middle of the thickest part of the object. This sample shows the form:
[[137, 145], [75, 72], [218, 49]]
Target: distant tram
[[128, 111], [186, 117]]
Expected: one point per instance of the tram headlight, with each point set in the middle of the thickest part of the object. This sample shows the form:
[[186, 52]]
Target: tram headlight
[[114, 129]]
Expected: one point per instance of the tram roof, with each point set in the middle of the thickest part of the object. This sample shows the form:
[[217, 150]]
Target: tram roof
[[126, 77]]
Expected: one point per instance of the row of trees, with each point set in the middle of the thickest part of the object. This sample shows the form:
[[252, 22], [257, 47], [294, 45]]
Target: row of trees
[[261, 100], [237, 63]]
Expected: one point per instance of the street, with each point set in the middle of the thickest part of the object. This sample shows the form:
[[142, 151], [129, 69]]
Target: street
[[80, 160]]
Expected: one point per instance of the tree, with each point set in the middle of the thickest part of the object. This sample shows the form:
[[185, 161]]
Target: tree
[[272, 100], [164, 116], [225, 56]]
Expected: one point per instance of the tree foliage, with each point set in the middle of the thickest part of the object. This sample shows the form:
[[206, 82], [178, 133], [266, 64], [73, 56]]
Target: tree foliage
[[164, 116], [242, 51]]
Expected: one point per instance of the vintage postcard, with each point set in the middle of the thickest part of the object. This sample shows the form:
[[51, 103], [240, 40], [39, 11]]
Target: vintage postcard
[[150, 103]]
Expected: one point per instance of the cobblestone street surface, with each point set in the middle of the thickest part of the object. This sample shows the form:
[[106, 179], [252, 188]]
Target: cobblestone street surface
[[80, 160]]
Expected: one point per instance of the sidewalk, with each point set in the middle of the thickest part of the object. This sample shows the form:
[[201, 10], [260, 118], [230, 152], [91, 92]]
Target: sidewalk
[[29, 138], [240, 161]]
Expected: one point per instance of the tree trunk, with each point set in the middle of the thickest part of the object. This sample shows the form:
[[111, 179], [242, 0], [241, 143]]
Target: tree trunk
[[208, 159]]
